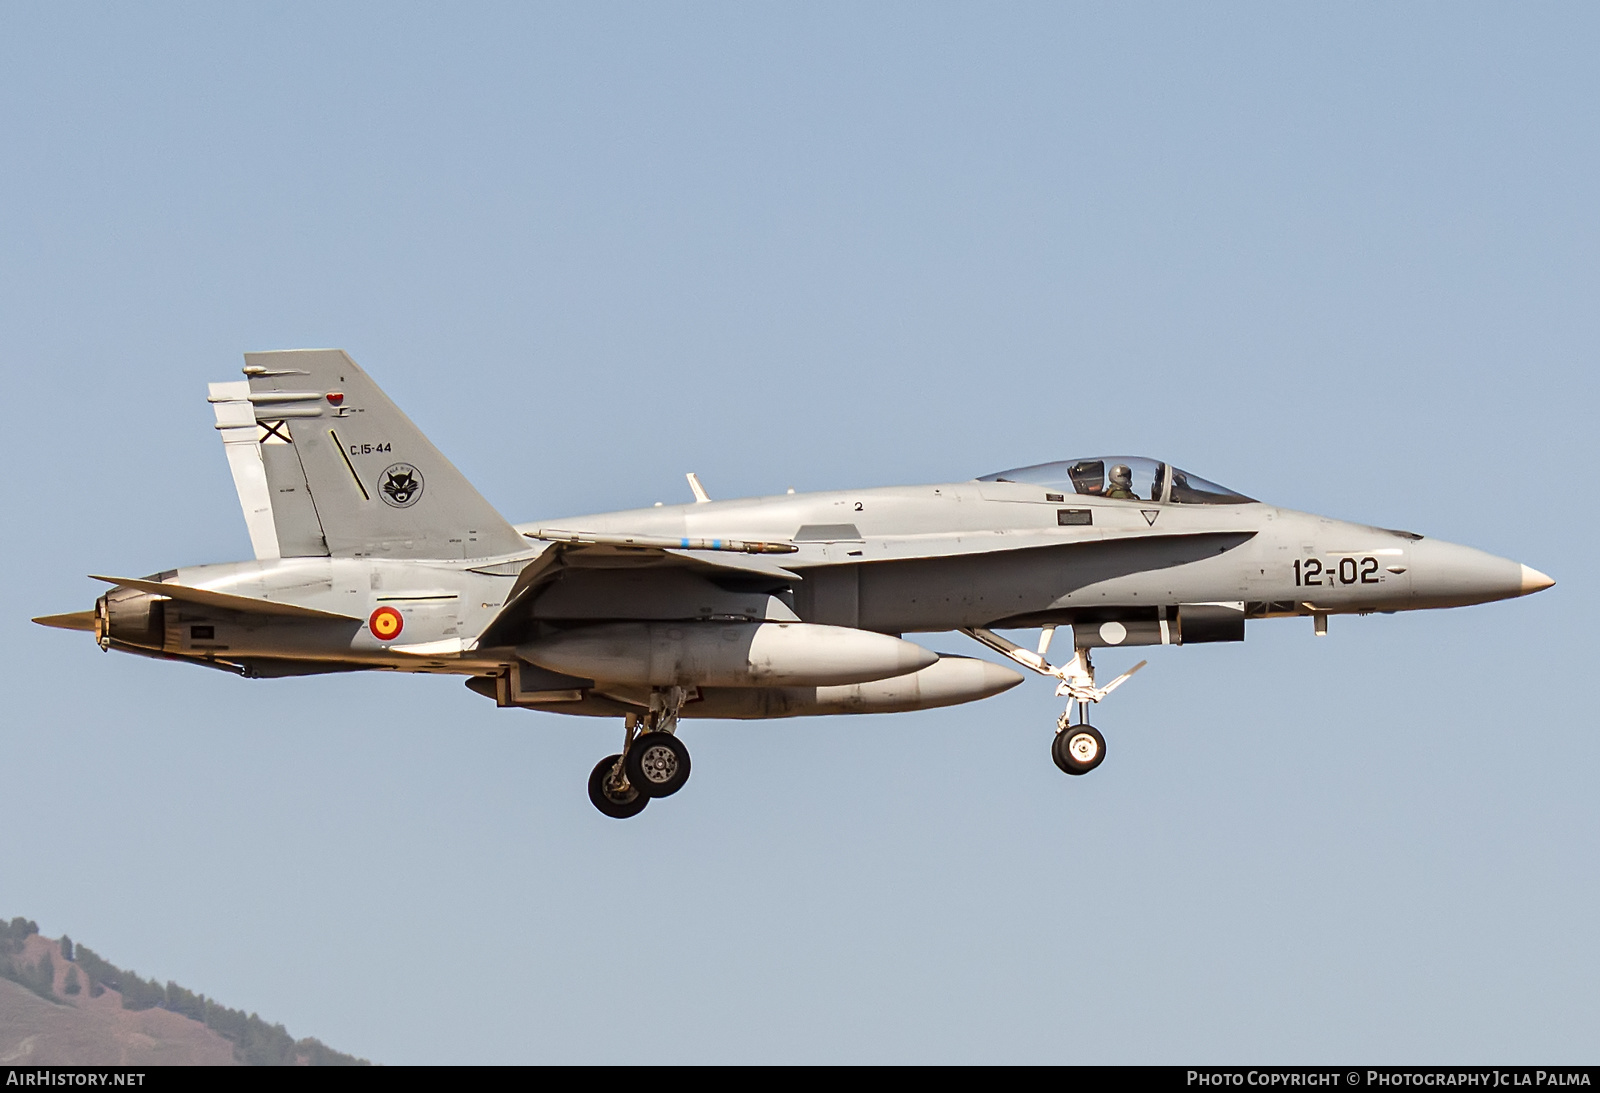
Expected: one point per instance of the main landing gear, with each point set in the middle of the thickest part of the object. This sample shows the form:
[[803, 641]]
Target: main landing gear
[[653, 762], [1079, 748]]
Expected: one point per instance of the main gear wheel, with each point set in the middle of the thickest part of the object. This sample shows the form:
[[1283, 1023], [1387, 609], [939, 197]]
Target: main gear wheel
[[612, 793], [657, 763]]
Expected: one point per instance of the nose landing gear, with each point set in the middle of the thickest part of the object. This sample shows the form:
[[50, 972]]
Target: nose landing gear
[[1077, 749], [653, 763]]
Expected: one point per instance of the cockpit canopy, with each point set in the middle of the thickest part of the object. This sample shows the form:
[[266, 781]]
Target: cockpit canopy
[[1123, 478]]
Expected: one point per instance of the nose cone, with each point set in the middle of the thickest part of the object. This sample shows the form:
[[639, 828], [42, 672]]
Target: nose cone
[[1449, 575]]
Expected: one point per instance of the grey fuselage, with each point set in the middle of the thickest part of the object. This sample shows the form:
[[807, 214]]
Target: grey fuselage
[[895, 560], [373, 551]]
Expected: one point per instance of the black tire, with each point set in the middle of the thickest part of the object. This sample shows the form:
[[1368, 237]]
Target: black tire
[[619, 806], [1078, 749], [658, 764]]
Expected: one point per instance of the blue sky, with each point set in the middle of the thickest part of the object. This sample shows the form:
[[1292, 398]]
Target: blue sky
[[1340, 258]]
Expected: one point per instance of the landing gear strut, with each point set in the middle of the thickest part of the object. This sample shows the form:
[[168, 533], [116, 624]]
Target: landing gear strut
[[653, 763], [1077, 749]]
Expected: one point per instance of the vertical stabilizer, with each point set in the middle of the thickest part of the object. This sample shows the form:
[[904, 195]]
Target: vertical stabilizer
[[236, 423], [266, 473], [376, 486]]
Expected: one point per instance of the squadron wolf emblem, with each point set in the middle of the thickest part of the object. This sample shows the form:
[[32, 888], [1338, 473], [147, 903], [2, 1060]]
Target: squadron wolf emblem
[[402, 485]]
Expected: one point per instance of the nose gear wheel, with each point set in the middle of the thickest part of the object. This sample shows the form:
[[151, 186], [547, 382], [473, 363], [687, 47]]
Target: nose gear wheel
[[1078, 749]]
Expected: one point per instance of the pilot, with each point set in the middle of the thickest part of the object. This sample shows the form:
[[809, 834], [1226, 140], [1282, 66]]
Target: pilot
[[1181, 490], [1121, 483]]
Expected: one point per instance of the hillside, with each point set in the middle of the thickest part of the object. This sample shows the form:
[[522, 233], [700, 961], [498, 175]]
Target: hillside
[[64, 1004]]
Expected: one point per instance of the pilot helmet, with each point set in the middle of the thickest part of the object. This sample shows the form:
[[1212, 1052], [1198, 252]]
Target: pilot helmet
[[1122, 476]]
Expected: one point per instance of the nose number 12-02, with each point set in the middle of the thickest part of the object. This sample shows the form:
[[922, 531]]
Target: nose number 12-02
[[1311, 572]]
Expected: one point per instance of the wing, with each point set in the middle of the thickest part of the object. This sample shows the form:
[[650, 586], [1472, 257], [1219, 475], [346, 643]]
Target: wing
[[576, 554]]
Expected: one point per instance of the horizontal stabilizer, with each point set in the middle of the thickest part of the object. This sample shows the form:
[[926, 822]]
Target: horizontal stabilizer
[[226, 601], [77, 620]]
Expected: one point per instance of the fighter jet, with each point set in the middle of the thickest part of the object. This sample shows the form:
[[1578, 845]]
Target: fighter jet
[[372, 552]]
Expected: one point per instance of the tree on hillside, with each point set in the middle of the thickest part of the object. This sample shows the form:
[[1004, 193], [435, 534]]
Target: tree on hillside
[[66, 947], [44, 977], [14, 933], [185, 1002], [101, 972], [39, 978], [141, 994]]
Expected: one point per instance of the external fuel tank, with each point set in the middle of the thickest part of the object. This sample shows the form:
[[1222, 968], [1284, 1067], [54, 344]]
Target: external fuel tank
[[726, 654]]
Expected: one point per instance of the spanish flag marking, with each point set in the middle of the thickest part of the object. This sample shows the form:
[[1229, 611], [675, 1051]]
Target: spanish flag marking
[[386, 624]]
